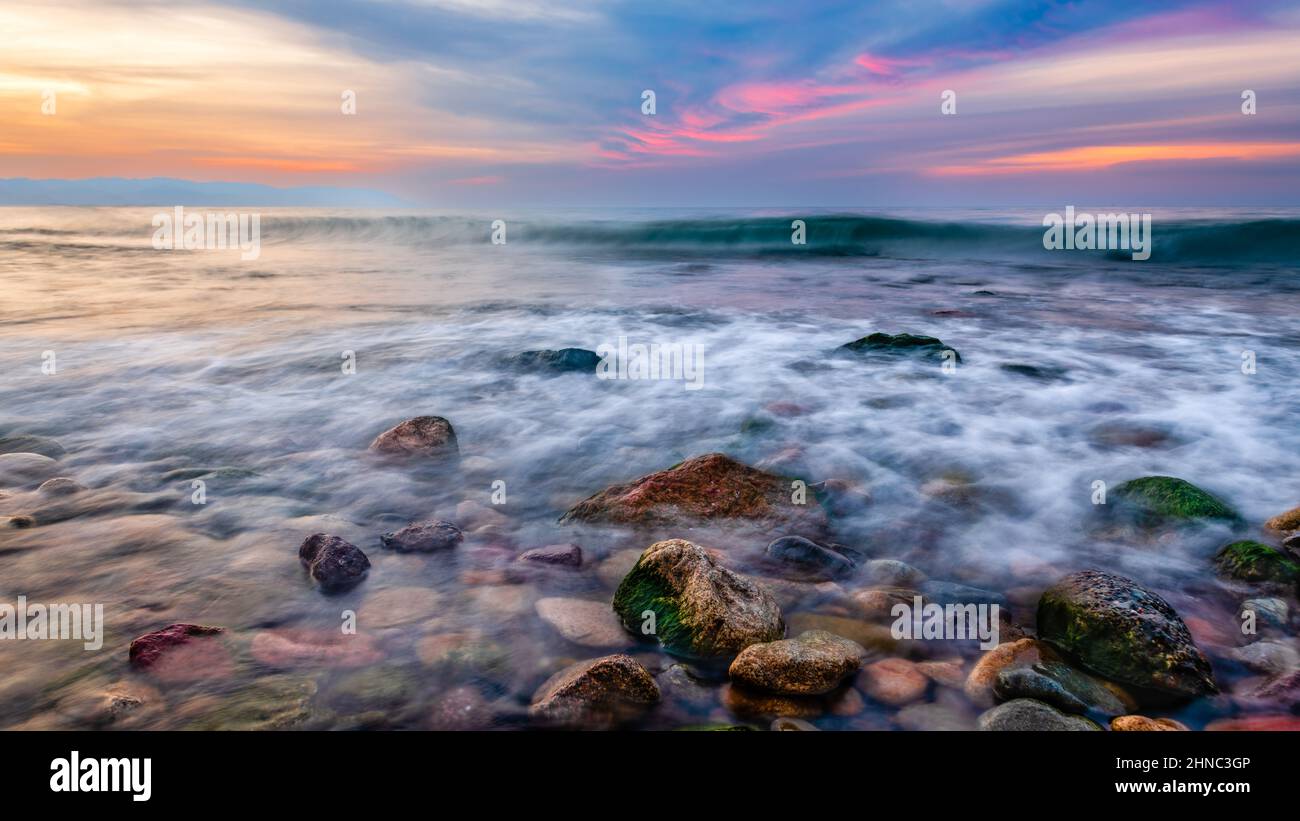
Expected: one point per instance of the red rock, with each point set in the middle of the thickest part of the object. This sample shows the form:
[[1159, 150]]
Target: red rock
[[569, 555], [182, 652]]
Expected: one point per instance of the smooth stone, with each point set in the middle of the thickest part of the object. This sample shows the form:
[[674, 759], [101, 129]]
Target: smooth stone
[[291, 647], [1026, 714], [423, 537], [395, 606], [599, 693], [1023, 652], [934, 717], [1125, 633], [946, 593], [948, 673], [1271, 611], [1026, 682], [42, 445], [874, 637], [333, 563], [893, 681], [60, 486], [879, 602], [430, 437], [746, 703], [808, 557], [589, 623], [1136, 723], [1268, 656], [565, 555], [701, 609], [891, 573], [23, 468], [812, 664]]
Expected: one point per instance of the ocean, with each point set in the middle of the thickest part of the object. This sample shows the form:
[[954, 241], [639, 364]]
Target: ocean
[[154, 369]]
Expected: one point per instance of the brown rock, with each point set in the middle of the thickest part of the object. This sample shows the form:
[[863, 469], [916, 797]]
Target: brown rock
[[589, 623], [949, 673], [429, 437], [568, 555], [1023, 652], [1285, 522], [333, 563], [814, 663], [893, 681], [706, 488], [1144, 724], [423, 537], [751, 704], [289, 647], [600, 693]]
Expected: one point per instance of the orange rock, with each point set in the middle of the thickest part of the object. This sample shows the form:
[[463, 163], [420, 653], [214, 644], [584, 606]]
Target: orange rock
[[1144, 724], [893, 681]]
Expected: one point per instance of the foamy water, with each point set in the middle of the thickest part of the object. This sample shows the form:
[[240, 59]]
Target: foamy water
[[171, 365]]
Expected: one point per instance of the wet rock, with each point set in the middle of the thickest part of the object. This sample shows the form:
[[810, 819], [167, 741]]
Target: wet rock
[[949, 673], [786, 724], [1112, 435], [20, 522], [423, 537], [430, 437], [893, 681], [42, 445], [1255, 562], [603, 692], [706, 488], [271, 703], [1158, 501], [809, 558], [1038, 373], [25, 468], [946, 593], [813, 663], [1288, 522], [934, 717], [1284, 688], [877, 603], [892, 573], [678, 683], [464, 655], [560, 555], [564, 360], [755, 704], [395, 606], [1026, 682], [1026, 714], [871, 636], [1135, 723], [1268, 656], [1125, 633], [182, 652], [900, 344], [293, 647], [334, 564], [1273, 612], [461, 708], [1023, 652], [60, 486], [698, 608], [589, 623]]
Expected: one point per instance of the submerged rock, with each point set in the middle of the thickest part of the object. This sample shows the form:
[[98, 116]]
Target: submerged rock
[[983, 676], [813, 663], [43, 445], [1039, 373], [24, 468], [289, 647], [1026, 714], [900, 344], [706, 488], [1256, 562], [1288, 522], [1157, 501], [693, 606], [334, 564], [603, 692], [564, 360], [146, 650], [809, 558], [1125, 633], [894, 681], [60, 486], [1136, 723], [181, 653], [423, 537], [1063, 687], [588, 623], [566, 555], [429, 437]]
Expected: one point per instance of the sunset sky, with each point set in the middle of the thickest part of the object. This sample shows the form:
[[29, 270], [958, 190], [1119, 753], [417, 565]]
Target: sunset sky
[[538, 102]]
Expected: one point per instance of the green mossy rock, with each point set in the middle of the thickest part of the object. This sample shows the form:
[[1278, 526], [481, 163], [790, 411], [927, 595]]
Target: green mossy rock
[[1256, 562], [1154, 501], [1125, 633], [701, 609]]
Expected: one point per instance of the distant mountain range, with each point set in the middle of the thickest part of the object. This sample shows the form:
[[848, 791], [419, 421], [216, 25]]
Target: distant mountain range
[[160, 191]]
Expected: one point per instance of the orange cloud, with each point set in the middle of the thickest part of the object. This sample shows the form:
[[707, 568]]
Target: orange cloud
[[1093, 157]]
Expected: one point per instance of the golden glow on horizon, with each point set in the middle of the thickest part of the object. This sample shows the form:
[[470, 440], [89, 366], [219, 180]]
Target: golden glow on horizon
[[1089, 158]]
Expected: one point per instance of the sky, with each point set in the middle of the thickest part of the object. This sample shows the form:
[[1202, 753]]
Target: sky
[[534, 103]]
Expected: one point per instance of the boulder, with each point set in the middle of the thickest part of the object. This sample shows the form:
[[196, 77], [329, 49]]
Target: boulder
[[1250, 561], [693, 606], [808, 558], [423, 537], [1026, 714], [564, 360], [561, 555], [1124, 632], [1136, 723], [813, 663], [899, 345], [599, 693], [43, 445], [430, 437], [1288, 522], [713, 487], [334, 564], [25, 468], [1159, 501]]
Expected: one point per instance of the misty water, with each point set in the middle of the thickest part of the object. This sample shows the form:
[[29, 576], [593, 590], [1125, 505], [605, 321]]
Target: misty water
[[176, 366]]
